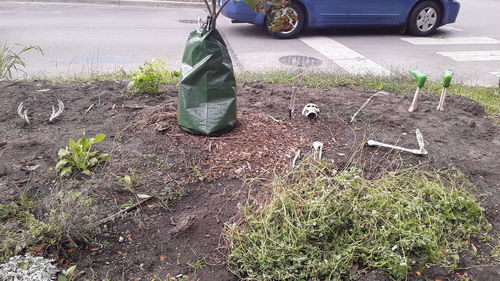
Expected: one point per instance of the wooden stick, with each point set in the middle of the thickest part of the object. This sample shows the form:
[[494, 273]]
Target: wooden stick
[[105, 220], [291, 107], [413, 105], [440, 106]]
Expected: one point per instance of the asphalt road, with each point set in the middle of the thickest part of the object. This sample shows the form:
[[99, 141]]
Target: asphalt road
[[87, 39]]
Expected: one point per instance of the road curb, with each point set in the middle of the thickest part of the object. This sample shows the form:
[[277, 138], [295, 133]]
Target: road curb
[[126, 3]]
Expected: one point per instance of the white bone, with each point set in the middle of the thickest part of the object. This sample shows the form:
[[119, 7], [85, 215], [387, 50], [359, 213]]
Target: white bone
[[60, 109], [23, 115], [317, 150], [381, 93], [420, 141], [294, 161]]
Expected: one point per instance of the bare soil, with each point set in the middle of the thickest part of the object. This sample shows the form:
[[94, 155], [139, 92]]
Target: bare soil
[[197, 182]]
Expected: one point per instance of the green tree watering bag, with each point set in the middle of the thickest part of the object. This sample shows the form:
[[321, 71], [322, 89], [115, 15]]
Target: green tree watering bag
[[207, 94]]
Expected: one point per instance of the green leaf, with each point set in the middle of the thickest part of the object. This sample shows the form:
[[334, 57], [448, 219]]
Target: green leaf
[[73, 146], [61, 164], [99, 138], [104, 156], [70, 270], [62, 278], [87, 172], [126, 179], [66, 172], [127, 204], [63, 153], [92, 161]]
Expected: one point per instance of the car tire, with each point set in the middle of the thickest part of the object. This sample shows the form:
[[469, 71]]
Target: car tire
[[424, 18], [297, 27]]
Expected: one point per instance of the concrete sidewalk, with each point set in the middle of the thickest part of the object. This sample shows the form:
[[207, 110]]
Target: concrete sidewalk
[[143, 3]]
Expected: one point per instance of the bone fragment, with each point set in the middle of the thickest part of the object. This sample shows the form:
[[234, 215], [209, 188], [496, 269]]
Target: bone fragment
[[317, 150], [23, 115], [420, 141], [60, 109], [381, 93], [294, 161]]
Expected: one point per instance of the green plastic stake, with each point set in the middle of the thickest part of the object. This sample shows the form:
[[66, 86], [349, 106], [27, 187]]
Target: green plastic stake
[[419, 76], [420, 83], [447, 78], [446, 83]]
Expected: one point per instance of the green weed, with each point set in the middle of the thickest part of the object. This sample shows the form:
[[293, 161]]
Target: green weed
[[79, 155], [199, 264], [10, 59], [321, 225], [129, 180], [69, 217], [150, 76], [68, 274]]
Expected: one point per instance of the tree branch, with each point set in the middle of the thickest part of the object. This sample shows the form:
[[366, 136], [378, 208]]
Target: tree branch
[[220, 10], [208, 8]]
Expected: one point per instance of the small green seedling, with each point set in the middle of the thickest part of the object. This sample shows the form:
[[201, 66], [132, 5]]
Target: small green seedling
[[150, 76], [448, 74], [68, 274], [420, 83], [79, 155], [128, 181]]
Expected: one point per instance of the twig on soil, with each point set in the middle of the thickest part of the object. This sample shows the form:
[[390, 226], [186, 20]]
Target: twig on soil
[[90, 108], [478, 265], [133, 106], [110, 218], [274, 119]]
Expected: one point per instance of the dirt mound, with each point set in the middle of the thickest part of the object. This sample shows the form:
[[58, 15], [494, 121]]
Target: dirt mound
[[183, 236]]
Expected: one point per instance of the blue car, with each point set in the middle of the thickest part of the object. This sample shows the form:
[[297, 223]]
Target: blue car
[[418, 17]]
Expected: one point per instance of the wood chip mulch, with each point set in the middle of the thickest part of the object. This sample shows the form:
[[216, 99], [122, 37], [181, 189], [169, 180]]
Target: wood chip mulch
[[258, 147]]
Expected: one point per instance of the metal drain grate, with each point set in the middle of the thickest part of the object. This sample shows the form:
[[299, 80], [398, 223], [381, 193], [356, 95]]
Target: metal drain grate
[[188, 21], [300, 61]]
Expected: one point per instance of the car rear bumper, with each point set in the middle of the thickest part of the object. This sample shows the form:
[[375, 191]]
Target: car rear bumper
[[451, 12], [238, 10]]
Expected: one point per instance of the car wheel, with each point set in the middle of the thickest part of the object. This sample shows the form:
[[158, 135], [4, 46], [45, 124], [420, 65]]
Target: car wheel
[[292, 27], [424, 18]]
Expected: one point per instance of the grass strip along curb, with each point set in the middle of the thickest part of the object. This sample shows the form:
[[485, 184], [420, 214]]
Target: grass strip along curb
[[322, 225]]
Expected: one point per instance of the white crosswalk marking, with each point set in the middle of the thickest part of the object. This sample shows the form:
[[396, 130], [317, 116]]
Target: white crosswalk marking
[[472, 55], [450, 40], [348, 59], [450, 28]]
